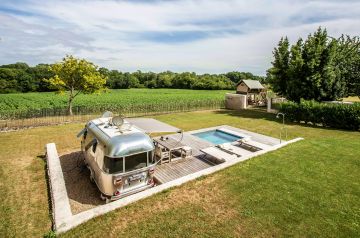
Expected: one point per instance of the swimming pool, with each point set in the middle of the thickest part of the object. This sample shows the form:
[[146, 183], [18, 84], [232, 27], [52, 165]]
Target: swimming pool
[[217, 136]]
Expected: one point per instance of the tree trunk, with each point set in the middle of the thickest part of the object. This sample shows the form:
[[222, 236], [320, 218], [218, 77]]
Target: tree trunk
[[71, 97]]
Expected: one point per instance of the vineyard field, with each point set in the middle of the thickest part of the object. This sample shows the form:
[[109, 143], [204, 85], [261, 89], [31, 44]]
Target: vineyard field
[[26, 105]]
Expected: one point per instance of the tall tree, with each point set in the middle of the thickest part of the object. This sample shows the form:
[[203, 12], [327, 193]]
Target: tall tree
[[294, 88], [76, 76], [310, 70], [320, 71], [279, 71], [348, 61]]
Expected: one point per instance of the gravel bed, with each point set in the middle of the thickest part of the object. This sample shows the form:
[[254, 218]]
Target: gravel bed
[[83, 194]]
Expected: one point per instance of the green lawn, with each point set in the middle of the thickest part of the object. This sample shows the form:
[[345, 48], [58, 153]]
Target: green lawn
[[307, 189]]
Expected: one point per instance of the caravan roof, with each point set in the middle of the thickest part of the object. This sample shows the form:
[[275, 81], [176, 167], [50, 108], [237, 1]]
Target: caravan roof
[[120, 141]]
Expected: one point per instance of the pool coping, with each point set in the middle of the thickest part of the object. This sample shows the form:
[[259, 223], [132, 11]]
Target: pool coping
[[224, 131], [63, 218]]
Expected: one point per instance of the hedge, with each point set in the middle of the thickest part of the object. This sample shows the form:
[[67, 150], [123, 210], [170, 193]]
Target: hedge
[[336, 115]]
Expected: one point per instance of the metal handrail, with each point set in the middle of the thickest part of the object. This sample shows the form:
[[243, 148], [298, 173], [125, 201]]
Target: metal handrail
[[283, 128]]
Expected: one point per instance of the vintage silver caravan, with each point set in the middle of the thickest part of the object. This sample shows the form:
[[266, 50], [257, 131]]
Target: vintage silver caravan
[[119, 155]]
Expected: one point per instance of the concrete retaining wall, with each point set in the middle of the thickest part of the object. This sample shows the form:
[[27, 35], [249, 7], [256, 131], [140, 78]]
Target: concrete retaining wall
[[61, 210]]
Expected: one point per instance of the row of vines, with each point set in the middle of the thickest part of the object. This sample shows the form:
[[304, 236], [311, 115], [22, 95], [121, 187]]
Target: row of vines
[[132, 102]]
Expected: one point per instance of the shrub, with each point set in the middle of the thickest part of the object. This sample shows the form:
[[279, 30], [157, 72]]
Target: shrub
[[50, 234], [343, 116]]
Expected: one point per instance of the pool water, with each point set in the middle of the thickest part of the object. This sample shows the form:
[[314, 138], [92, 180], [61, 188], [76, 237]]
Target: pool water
[[217, 137]]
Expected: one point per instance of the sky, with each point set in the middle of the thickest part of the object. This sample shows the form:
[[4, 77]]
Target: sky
[[204, 36]]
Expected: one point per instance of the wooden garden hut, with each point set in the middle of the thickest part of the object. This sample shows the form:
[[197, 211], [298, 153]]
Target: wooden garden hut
[[253, 89], [247, 86]]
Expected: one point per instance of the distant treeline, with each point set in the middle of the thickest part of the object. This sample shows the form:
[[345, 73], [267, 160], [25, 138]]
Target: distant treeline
[[20, 77]]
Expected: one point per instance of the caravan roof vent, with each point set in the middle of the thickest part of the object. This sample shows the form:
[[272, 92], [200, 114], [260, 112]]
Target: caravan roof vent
[[117, 121]]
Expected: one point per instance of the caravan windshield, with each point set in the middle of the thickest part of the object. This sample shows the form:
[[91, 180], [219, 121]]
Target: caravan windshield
[[134, 162]]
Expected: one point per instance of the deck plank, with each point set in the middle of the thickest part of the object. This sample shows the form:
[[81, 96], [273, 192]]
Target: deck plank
[[171, 171]]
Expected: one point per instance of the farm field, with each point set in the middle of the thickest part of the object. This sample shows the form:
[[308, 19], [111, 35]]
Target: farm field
[[308, 189], [21, 105]]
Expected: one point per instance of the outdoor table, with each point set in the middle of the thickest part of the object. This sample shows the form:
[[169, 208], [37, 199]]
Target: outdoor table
[[170, 145]]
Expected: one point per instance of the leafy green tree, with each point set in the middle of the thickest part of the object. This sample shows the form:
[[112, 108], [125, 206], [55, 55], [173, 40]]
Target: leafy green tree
[[184, 80], [165, 79], [310, 69], [130, 81], [348, 60], [320, 73], [354, 79], [236, 76], [20, 77], [117, 79], [76, 76], [18, 65], [26, 82], [279, 72], [294, 88], [104, 71], [41, 73], [8, 82]]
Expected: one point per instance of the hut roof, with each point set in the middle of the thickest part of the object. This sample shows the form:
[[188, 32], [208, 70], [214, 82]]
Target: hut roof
[[252, 84]]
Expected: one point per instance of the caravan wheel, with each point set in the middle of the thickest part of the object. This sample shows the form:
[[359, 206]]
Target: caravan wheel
[[104, 198]]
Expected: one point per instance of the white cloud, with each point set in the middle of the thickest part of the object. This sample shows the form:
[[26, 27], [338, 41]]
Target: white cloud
[[202, 36]]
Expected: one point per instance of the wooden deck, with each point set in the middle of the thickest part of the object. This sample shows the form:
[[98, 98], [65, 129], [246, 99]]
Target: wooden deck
[[171, 171], [177, 169]]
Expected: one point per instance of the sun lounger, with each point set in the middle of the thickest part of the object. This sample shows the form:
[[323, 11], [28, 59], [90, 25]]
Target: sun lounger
[[219, 154], [234, 149], [251, 143]]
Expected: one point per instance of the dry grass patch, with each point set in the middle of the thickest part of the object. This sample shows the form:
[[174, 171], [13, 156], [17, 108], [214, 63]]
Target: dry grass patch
[[24, 207], [83, 195]]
